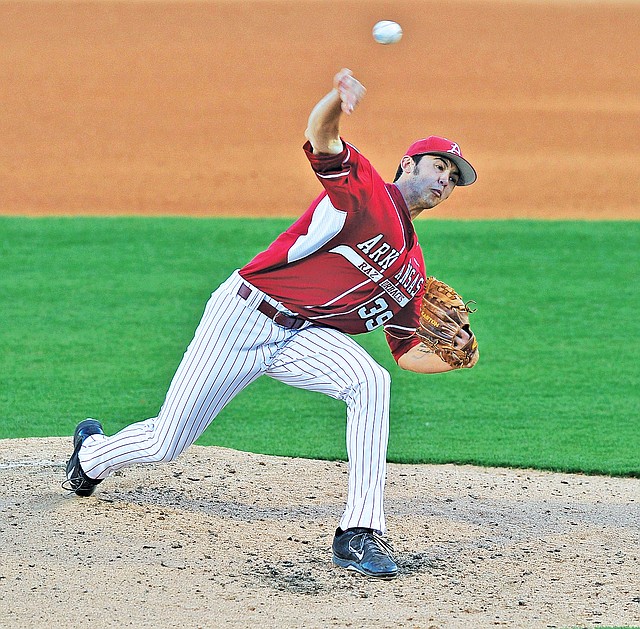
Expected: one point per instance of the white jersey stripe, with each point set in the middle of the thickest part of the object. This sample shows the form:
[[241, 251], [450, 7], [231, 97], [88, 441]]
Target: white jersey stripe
[[344, 173], [339, 297], [321, 318], [326, 223]]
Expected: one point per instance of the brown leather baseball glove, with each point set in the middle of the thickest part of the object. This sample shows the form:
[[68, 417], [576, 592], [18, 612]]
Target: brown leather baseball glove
[[444, 323]]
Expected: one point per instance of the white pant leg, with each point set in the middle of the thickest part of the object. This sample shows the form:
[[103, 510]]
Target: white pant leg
[[230, 349], [328, 361]]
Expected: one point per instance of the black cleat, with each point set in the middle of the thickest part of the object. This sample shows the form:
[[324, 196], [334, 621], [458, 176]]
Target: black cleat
[[77, 480], [364, 551]]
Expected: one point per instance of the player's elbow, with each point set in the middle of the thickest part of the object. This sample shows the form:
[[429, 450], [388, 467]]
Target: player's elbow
[[324, 144]]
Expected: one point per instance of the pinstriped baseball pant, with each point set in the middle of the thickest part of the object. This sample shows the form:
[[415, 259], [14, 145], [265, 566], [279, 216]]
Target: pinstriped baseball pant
[[233, 345]]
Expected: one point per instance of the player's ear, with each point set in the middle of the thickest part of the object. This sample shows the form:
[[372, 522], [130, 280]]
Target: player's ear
[[407, 164]]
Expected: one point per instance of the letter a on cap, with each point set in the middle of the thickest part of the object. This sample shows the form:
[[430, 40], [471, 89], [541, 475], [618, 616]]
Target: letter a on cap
[[455, 149]]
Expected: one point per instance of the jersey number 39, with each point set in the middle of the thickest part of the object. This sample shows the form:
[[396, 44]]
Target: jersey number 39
[[376, 314]]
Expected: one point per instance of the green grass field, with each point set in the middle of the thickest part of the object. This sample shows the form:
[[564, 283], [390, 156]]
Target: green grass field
[[96, 314]]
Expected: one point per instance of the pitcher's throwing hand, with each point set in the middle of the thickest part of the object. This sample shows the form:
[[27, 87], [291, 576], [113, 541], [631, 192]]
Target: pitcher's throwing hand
[[351, 91]]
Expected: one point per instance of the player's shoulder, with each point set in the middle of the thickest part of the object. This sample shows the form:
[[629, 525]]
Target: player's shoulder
[[356, 158]]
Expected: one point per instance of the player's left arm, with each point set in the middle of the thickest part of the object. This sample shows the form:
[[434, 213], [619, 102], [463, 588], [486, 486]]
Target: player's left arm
[[323, 127], [421, 359], [413, 355]]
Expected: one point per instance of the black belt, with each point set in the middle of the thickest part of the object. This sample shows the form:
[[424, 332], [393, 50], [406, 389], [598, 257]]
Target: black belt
[[281, 318]]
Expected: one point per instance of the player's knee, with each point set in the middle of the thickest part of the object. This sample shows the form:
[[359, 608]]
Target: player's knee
[[161, 451], [376, 379], [381, 375], [385, 379]]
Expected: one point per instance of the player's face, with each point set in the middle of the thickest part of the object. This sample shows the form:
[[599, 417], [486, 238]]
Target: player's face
[[433, 180]]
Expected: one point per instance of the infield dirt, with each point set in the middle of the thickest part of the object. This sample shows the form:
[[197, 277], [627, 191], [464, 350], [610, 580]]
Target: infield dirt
[[228, 539], [199, 108]]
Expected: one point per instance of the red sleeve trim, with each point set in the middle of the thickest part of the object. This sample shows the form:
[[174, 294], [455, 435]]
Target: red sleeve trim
[[399, 348], [326, 165]]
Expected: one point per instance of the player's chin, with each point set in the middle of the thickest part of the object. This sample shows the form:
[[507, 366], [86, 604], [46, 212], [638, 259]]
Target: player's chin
[[431, 201]]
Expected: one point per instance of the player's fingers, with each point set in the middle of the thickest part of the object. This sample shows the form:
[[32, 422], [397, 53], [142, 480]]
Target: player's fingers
[[350, 85], [340, 75], [347, 108], [351, 92]]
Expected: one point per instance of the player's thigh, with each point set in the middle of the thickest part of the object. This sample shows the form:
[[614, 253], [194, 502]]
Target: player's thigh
[[327, 361], [229, 350]]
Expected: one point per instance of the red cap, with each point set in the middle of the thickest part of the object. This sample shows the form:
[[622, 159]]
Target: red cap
[[435, 145]]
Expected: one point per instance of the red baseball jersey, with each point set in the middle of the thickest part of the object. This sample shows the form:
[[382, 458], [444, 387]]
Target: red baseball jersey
[[352, 261]]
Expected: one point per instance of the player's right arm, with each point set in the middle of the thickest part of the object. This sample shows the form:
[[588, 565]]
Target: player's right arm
[[323, 127]]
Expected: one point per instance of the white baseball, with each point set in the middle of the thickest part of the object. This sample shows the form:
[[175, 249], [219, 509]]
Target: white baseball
[[387, 32]]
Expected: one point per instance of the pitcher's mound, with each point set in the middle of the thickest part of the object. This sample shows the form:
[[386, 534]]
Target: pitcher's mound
[[222, 538]]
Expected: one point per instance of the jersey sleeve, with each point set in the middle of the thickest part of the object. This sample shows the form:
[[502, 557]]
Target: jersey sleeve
[[400, 329], [348, 177]]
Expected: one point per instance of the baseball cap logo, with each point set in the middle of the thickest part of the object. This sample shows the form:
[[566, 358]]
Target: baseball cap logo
[[455, 149]]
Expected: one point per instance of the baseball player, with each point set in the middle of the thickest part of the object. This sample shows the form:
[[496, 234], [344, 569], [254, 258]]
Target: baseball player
[[349, 264]]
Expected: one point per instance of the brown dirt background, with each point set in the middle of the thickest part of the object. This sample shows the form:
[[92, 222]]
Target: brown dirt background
[[199, 108]]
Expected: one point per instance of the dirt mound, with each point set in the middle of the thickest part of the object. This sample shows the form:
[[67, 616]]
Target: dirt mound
[[226, 538]]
